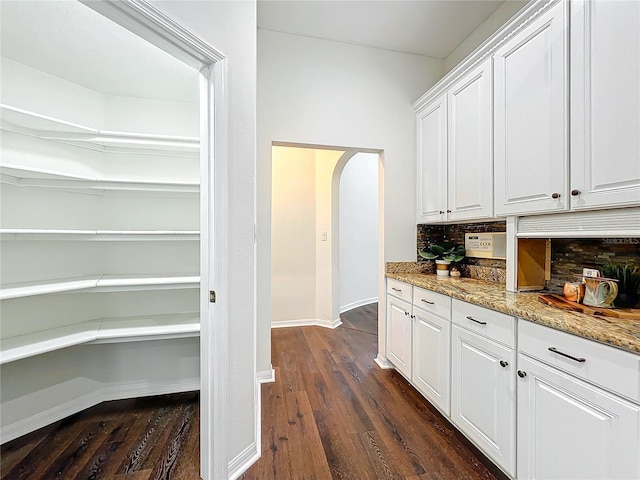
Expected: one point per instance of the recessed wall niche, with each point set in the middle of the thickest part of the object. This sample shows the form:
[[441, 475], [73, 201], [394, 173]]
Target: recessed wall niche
[[483, 268]]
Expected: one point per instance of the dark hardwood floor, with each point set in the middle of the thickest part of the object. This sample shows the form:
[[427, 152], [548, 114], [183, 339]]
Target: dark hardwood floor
[[140, 439], [332, 413]]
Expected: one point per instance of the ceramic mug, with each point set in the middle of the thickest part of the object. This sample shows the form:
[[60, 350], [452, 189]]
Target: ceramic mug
[[574, 291], [600, 292]]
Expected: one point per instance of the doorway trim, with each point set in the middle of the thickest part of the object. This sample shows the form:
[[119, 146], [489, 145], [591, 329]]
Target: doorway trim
[[150, 24]]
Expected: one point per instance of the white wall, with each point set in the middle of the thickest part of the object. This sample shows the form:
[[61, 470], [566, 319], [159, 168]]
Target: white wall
[[293, 235], [230, 27], [487, 28], [359, 231], [319, 92], [326, 304]]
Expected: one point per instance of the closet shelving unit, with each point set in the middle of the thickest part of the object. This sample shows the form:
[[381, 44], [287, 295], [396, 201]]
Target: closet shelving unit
[[27, 123], [99, 245]]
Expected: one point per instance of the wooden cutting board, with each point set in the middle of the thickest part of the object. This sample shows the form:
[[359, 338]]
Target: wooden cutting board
[[559, 301]]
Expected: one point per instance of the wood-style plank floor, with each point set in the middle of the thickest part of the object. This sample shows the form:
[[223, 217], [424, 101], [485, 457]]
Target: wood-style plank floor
[[331, 414]]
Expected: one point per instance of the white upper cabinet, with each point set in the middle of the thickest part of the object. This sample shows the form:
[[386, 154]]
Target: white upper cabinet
[[530, 138], [470, 162], [455, 179], [432, 162], [605, 104]]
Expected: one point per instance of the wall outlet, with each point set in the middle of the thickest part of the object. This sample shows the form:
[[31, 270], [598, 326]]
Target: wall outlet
[[590, 272]]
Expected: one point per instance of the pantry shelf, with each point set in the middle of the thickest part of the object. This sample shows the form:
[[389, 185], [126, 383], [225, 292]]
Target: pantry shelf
[[106, 330], [101, 283]]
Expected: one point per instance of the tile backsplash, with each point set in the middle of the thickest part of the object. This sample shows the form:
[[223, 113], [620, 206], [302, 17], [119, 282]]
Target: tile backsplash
[[570, 256]]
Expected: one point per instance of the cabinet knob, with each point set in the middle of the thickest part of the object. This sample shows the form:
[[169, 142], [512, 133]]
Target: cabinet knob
[[555, 195], [575, 192], [504, 364], [448, 211], [413, 316], [522, 373], [441, 212], [406, 313]]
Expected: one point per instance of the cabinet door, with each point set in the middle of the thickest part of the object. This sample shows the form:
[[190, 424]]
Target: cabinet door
[[431, 347], [432, 162], [399, 334], [605, 100], [530, 118], [470, 164], [569, 429], [483, 397]]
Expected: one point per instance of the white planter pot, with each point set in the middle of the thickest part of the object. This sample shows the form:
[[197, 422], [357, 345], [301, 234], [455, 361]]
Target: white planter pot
[[442, 268]]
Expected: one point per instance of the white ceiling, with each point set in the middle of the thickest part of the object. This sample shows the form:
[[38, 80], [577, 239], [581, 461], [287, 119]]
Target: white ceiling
[[425, 27], [71, 41]]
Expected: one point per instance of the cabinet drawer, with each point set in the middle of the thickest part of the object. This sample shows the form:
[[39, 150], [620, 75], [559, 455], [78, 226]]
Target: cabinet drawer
[[399, 289], [495, 325], [432, 302], [608, 367]]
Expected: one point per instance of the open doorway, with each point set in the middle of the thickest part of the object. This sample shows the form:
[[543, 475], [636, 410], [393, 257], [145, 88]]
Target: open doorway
[[107, 174], [325, 248], [358, 212]]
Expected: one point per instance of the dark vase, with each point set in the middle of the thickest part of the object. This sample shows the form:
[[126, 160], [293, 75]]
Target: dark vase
[[627, 300]]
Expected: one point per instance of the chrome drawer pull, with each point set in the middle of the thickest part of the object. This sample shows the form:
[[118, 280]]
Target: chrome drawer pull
[[396, 289], [426, 301], [577, 359], [469, 317]]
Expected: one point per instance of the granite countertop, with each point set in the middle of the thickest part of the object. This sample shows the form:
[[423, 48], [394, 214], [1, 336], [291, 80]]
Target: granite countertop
[[617, 332]]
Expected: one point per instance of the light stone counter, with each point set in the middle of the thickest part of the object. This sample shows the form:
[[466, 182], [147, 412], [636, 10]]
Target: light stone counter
[[617, 332]]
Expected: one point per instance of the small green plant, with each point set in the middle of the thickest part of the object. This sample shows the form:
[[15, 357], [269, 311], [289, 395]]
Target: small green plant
[[445, 251], [627, 274]]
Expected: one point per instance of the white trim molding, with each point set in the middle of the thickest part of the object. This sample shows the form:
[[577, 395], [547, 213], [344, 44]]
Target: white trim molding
[[266, 376], [383, 363], [243, 461], [307, 322], [359, 303]]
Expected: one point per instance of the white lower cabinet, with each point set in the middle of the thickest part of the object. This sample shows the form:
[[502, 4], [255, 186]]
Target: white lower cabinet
[[399, 334], [568, 409], [483, 394], [431, 358], [570, 429], [574, 421]]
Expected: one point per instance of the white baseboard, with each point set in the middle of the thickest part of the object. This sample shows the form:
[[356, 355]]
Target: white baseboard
[[383, 362], [104, 394], [243, 461], [48, 416], [266, 376], [307, 322], [359, 303]]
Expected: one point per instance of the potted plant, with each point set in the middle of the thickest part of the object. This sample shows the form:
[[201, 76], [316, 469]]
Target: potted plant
[[443, 254], [628, 276]]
